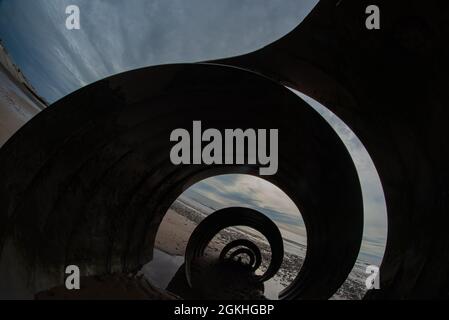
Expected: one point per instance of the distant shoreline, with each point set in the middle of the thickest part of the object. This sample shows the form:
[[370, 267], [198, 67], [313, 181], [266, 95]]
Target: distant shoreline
[[182, 218]]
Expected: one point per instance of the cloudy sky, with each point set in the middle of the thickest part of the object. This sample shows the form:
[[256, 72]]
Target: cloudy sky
[[252, 192], [375, 209], [119, 35]]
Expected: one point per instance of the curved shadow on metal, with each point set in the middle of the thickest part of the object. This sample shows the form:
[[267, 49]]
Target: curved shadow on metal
[[232, 217], [386, 113], [388, 120], [89, 179]]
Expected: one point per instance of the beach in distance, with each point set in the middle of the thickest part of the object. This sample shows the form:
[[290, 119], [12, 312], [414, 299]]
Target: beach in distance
[[186, 213]]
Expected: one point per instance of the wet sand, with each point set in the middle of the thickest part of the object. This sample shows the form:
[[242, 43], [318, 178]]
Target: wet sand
[[16, 105], [174, 233], [181, 220]]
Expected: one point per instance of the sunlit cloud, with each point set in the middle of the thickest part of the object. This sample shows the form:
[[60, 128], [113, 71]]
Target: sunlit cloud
[[256, 191]]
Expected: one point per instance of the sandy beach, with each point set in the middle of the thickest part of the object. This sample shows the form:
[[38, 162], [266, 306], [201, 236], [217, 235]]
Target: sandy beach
[[179, 223], [181, 220]]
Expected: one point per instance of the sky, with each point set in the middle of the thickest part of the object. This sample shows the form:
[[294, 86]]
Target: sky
[[117, 36], [374, 205], [248, 191]]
